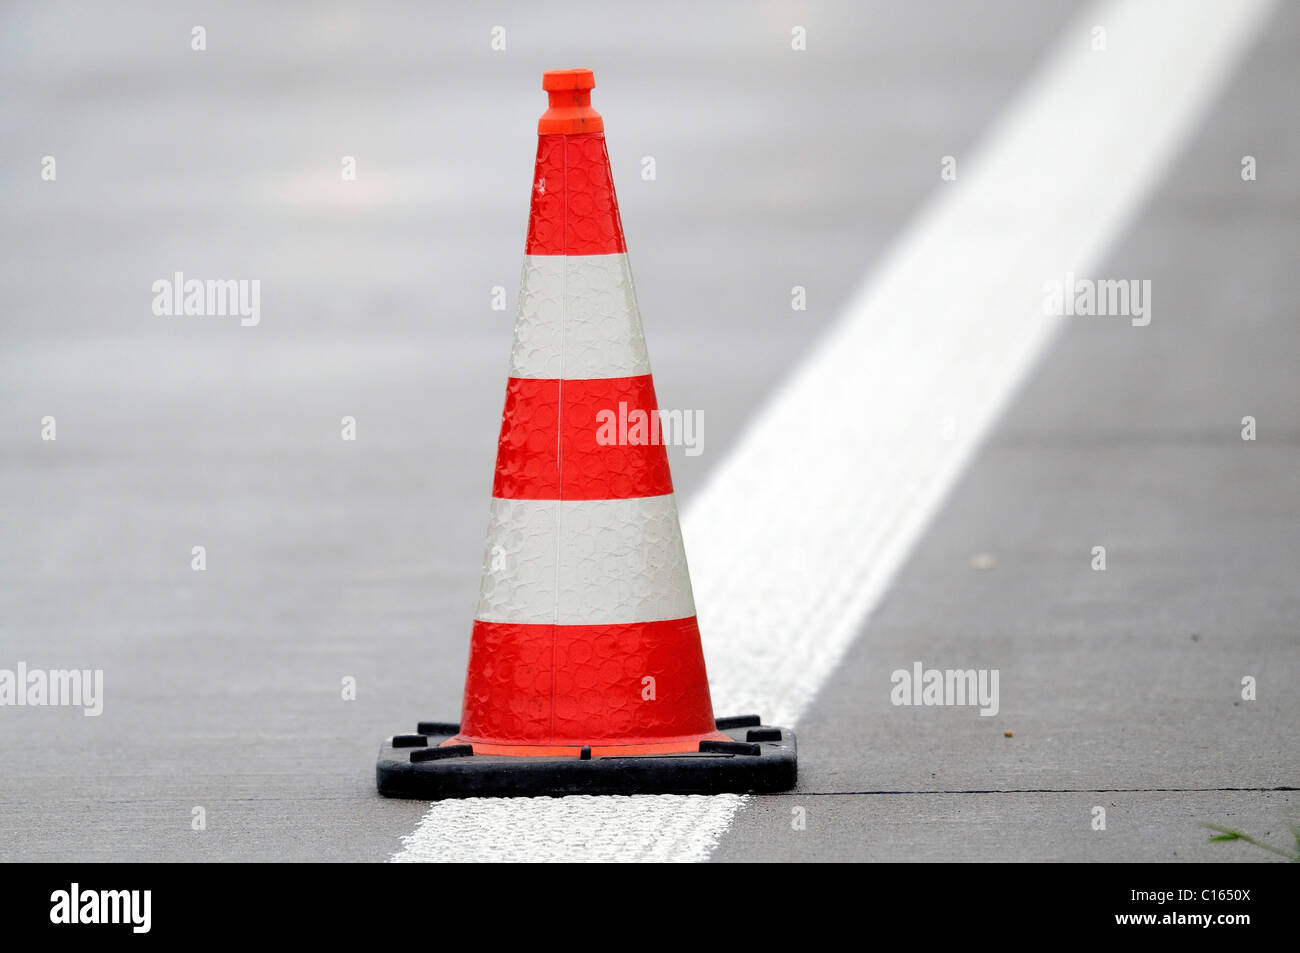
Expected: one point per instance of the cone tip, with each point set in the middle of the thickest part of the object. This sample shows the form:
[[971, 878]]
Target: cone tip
[[568, 79], [569, 112]]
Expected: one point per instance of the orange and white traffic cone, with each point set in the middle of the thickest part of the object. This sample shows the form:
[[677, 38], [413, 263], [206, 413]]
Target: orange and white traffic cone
[[586, 673]]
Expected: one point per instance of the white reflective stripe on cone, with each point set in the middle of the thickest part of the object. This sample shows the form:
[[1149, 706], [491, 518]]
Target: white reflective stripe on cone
[[585, 562], [578, 320]]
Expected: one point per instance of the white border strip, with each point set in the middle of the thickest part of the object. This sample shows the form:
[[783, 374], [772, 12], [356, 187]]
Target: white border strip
[[800, 530], [584, 562], [578, 319]]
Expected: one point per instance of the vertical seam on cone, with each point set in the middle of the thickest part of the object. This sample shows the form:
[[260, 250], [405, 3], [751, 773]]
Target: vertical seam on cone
[[559, 412]]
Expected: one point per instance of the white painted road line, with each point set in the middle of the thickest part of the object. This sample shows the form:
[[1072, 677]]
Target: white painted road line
[[800, 530]]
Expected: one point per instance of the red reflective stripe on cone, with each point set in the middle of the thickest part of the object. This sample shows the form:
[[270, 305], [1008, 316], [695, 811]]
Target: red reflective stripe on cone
[[586, 684], [546, 454], [574, 210]]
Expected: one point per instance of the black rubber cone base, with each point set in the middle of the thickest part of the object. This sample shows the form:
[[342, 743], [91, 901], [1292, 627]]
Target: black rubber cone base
[[759, 758]]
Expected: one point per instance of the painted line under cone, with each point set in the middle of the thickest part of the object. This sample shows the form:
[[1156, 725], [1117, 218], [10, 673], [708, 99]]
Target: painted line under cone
[[791, 552]]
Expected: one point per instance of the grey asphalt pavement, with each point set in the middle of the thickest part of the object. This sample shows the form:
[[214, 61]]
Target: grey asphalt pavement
[[329, 560]]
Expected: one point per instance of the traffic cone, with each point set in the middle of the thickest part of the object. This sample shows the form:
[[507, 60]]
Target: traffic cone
[[586, 673]]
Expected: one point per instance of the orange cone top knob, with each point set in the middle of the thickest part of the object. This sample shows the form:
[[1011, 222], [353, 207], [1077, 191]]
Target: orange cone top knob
[[569, 112]]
